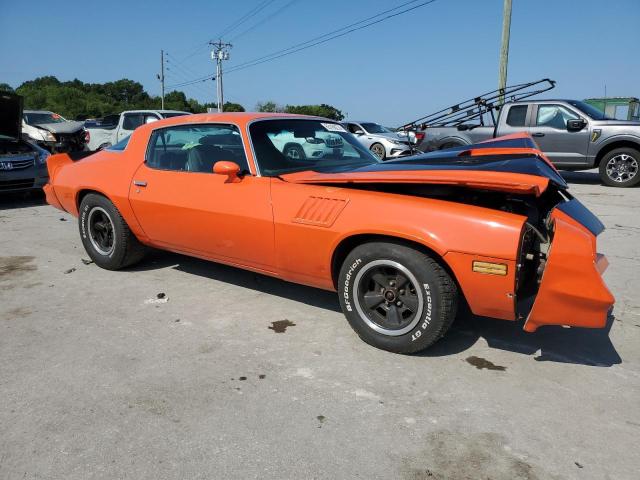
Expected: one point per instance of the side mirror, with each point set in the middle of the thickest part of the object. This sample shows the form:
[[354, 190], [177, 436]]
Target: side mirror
[[575, 125], [358, 132], [230, 169]]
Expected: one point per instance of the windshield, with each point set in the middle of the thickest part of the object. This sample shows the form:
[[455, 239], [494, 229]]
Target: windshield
[[375, 128], [40, 118], [589, 110], [287, 146]]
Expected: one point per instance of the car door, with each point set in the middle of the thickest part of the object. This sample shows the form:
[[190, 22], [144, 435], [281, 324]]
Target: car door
[[364, 138], [549, 129], [183, 206]]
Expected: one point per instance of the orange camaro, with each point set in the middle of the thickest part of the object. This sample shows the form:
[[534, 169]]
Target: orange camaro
[[299, 198]]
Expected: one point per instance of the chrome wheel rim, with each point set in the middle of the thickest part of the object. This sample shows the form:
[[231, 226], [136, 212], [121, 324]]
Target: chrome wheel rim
[[388, 297], [378, 151], [101, 231], [622, 168]]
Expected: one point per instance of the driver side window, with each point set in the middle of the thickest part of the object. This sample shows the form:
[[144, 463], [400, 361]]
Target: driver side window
[[195, 148], [554, 116]]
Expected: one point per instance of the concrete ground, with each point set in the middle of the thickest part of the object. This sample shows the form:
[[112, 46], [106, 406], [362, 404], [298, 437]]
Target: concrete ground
[[242, 376]]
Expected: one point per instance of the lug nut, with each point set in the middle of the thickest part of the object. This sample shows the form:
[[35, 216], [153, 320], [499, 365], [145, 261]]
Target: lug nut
[[398, 304], [392, 283]]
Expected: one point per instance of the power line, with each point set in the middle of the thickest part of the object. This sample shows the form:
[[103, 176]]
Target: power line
[[264, 20], [253, 12], [341, 32], [353, 27]]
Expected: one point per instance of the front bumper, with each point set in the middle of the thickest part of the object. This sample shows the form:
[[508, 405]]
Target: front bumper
[[31, 178], [572, 291]]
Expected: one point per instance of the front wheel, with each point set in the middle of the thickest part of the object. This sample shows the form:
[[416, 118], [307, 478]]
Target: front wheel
[[378, 150], [619, 167], [395, 297], [294, 151], [105, 234]]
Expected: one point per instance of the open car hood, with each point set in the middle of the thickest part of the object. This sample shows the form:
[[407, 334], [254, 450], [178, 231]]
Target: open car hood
[[10, 115], [509, 164]]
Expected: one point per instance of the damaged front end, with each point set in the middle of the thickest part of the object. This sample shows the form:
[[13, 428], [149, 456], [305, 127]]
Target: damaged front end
[[559, 272]]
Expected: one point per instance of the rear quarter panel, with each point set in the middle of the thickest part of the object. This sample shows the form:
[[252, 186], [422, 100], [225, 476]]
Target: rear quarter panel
[[106, 172]]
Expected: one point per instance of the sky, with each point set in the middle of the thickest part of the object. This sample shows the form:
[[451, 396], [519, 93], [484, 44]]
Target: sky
[[392, 72]]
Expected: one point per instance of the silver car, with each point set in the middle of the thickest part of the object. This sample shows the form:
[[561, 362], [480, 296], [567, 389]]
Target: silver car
[[382, 142]]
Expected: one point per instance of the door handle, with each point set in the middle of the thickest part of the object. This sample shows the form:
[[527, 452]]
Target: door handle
[[139, 183], [537, 134]]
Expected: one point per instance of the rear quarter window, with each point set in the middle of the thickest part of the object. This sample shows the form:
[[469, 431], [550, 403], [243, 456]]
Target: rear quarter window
[[517, 115]]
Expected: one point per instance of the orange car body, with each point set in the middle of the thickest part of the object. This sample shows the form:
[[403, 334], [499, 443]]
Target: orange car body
[[297, 226]]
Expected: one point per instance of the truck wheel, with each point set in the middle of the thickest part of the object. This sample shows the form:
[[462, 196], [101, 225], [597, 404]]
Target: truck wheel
[[106, 236], [378, 150], [619, 167], [395, 297], [446, 146], [294, 151]]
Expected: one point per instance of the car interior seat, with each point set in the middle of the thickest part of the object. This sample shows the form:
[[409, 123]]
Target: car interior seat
[[201, 158]]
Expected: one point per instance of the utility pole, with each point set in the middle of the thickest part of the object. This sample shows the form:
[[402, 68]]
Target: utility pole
[[161, 77], [219, 53], [504, 50]]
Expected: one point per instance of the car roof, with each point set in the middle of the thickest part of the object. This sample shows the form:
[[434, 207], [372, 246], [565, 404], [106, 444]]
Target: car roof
[[360, 121], [37, 111], [566, 100], [239, 118], [145, 110]]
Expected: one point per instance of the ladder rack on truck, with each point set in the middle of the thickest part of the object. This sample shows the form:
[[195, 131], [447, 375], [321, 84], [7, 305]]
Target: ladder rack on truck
[[478, 107]]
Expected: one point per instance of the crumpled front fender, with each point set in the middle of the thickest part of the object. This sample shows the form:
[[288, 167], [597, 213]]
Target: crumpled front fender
[[572, 291]]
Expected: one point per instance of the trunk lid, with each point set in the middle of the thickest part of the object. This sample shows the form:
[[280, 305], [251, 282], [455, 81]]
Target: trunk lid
[[10, 115]]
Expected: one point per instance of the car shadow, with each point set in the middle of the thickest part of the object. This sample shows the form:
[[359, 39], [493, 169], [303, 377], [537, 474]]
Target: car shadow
[[243, 278], [585, 178], [555, 343], [9, 201], [552, 343]]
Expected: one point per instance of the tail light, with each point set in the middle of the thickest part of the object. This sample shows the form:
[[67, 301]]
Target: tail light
[[419, 136], [87, 136]]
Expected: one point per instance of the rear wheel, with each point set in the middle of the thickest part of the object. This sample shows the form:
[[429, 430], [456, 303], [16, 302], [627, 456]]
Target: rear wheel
[[106, 236], [619, 167], [395, 297]]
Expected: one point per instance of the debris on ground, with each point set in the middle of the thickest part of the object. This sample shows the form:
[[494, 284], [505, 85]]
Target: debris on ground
[[71, 270], [86, 262], [280, 326], [62, 219], [159, 298]]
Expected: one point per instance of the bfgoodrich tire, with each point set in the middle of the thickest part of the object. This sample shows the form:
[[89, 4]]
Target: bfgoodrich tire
[[619, 167], [395, 297], [106, 236]]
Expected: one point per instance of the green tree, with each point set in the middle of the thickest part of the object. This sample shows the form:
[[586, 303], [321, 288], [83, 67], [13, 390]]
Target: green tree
[[268, 106], [5, 87], [322, 110], [232, 107]]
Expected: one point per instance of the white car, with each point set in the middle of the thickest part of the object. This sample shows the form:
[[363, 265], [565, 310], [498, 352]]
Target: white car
[[323, 144], [382, 142], [113, 128], [53, 132]]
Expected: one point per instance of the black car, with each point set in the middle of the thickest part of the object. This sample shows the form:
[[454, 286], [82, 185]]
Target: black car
[[23, 165]]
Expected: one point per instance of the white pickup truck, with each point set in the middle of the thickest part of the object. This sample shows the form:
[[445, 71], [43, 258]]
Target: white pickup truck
[[113, 128]]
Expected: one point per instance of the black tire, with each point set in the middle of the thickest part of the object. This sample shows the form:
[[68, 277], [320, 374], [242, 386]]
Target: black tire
[[619, 168], [100, 221], [294, 151], [378, 150], [425, 305]]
